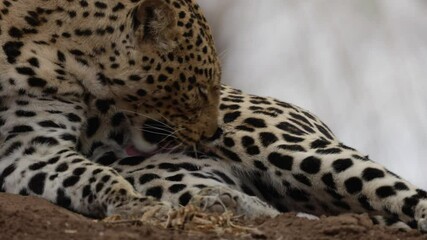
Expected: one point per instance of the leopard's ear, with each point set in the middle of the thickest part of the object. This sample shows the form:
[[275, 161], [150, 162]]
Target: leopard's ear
[[155, 24]]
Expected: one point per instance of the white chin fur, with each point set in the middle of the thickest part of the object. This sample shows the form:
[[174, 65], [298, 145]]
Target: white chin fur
[[140, 144]]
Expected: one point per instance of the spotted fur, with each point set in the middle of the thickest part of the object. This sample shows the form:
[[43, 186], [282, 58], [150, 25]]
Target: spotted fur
[[63, 61], [82, 81], [277, 153]]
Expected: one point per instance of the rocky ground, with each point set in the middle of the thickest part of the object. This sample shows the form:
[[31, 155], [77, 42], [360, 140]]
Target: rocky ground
[[35, 218]]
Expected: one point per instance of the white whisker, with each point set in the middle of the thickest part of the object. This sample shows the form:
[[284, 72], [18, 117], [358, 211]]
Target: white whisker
[[148, 117], [195, 150], [157, 133], [222, 54], [147, 126], [161, 115], [176, 147], [172, 135]]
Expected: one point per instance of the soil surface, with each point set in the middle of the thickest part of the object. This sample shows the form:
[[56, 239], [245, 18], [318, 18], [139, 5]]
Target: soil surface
[[34, 218]]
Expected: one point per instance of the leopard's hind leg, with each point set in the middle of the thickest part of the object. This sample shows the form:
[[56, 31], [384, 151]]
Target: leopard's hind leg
[[338, 183], [291, 160]]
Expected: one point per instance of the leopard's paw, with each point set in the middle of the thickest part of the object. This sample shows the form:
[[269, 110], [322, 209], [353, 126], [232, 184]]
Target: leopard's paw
[[221, 199], [391, 222], [144, 209], [420, 213], [422, 225]]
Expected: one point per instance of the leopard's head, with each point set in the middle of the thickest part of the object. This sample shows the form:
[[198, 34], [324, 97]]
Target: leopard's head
[[151, 59], [169, 69]]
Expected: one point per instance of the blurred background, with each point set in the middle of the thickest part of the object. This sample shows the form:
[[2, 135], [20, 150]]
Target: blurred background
[[361, 66]]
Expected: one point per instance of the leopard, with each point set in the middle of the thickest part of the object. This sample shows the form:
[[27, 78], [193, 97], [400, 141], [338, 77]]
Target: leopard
[[267, 157], [110, 107], [63, 60]]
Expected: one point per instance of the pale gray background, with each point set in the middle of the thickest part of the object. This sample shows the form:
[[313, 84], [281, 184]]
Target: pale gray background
[[360, 65]]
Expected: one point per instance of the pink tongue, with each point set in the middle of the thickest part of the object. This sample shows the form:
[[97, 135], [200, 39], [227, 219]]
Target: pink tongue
[[132, 151]]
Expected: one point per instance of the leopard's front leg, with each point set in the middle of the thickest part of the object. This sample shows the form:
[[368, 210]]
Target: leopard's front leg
[[39, 157]]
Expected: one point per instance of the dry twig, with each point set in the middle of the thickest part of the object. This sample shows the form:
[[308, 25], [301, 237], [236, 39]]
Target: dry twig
[[193, 219]]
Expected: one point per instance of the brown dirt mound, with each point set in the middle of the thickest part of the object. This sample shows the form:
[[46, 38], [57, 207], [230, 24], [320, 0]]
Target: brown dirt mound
[[35, 218]]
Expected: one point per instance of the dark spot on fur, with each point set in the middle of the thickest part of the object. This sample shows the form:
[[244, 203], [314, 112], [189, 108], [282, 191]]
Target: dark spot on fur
[[370, 174], [156, 192], [37, 183], [281, 161], [353, 185]]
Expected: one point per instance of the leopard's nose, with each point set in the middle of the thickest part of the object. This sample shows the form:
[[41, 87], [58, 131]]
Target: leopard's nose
[[210, 131], [210, 120], [210, 128], [217, 134]]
